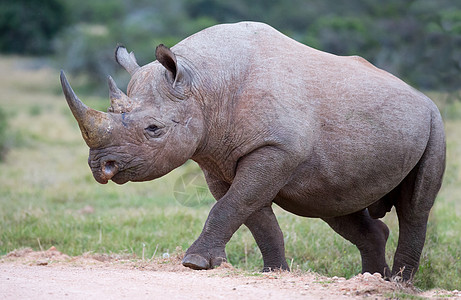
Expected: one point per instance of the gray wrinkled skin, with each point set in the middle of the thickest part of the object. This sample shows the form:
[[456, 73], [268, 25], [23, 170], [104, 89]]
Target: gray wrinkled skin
[[270, 120]]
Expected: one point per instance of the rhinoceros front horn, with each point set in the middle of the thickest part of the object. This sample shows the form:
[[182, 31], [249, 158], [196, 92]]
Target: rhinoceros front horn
[[95, 126]]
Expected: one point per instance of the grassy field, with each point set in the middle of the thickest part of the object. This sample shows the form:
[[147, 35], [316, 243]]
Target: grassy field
[[48, 196]]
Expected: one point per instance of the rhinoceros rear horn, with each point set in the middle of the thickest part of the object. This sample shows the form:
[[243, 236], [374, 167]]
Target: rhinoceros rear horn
[[95, 126], [126, 60], [119, 102]]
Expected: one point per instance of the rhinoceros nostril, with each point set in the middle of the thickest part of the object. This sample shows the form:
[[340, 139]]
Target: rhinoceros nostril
[[109, 169]]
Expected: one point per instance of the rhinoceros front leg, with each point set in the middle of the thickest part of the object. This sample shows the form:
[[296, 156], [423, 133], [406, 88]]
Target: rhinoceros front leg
[[263, 226], [259, 177], [269, 237], [265, 229]]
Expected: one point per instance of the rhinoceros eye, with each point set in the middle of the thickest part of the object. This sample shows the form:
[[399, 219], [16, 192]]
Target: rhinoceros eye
[[153, 131], [152, 128]]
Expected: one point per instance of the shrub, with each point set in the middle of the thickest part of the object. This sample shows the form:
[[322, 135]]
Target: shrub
[[28, 26], [3, 129]]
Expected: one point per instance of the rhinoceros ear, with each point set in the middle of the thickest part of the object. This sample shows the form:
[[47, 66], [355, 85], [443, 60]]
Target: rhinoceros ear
[[126, 60], [167, 58]]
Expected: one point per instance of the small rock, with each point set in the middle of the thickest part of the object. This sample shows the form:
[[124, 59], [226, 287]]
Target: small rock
[[41, 263]]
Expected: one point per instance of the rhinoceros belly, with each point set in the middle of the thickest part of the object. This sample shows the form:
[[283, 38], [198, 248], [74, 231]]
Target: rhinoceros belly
[[311, 194], [345, 175]]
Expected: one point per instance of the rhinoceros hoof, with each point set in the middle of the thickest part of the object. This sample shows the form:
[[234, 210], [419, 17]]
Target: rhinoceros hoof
[[275, 269], [196, 262]]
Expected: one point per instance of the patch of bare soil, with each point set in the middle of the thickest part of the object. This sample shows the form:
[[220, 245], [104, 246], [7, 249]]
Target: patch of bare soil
[[50, 274]]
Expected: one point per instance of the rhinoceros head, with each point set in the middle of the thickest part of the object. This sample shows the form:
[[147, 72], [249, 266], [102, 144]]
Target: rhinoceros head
[[147, 133]]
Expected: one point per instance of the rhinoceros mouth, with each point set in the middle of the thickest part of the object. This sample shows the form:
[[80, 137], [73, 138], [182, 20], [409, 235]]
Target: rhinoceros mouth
[[104, 171], [109, 169], [119, 179]]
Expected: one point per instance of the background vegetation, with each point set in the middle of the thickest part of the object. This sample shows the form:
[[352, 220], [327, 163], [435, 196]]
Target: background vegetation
[[418, 40], [49, 198]]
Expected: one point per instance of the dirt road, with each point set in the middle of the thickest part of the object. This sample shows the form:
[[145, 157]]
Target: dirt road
[[77, 282], [52, 275]]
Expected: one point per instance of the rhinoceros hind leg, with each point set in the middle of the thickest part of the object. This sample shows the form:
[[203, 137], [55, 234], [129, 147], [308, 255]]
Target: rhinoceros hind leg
[[413, 215], [370, 237], [417, 194]]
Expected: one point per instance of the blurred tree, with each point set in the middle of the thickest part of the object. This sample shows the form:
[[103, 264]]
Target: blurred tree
[[418, 40], [344, 35], [94, 11], [28, 26], [87, 47]]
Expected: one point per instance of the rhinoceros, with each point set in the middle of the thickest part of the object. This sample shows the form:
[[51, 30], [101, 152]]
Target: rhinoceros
[[270, 120]]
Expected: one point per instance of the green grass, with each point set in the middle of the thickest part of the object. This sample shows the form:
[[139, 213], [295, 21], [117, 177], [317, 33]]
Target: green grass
[[48, 197], [399, 295]]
